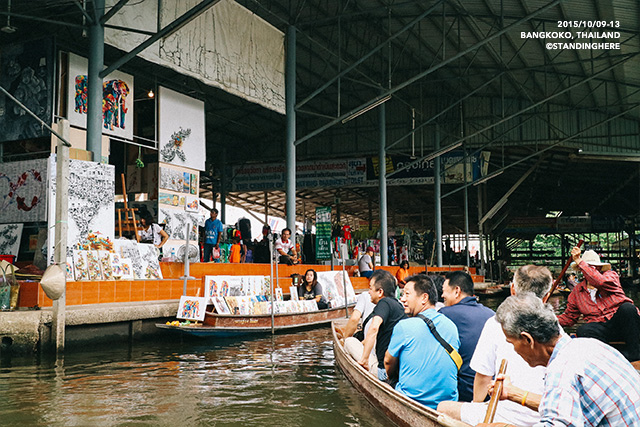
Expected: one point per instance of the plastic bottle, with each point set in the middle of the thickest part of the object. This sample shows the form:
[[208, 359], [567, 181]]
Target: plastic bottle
[[173, 254]]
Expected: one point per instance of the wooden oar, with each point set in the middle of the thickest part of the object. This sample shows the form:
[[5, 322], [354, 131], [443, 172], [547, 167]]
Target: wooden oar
[[495, 396], [559, 278]]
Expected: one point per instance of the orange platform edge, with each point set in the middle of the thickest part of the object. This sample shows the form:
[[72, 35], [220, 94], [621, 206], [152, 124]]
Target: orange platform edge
[[171, 287]]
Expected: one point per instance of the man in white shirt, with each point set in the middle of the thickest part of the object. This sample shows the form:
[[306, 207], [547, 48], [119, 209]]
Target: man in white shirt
[[352, 344], [286, 248], [492, 347], [365, 265]]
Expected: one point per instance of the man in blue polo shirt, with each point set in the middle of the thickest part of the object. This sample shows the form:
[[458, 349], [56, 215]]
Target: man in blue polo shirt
[[425, 371], [462, 307]]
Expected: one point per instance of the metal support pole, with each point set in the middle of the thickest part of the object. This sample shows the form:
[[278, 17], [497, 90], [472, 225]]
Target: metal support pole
[[480, 232], [60, 247], [271, 261], [94, 100], [223, 184], [186, 276], [436, 196], [266, 208], [466, 209], [290, 99], [382, 165]]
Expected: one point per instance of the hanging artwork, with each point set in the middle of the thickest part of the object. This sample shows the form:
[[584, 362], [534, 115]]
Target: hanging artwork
[[194, 183], [171, 199], [333, 287], [80, 265], [23, 191], [10, 235], [176, 223], [27, 73], [192, 308], [192, 204], [172, 179], [117, 99], [182, 130], [91, 202]]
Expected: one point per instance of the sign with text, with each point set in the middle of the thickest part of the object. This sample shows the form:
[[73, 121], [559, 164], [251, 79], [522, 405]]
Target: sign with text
[[323, 232]]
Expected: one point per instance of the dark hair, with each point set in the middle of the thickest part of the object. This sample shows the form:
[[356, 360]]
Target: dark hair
[[148, 218], [315, 277], [422, 284], [286, 229], [214, 210], [437, 280], [382, 279], [461, 280], [298, 276], [404, 262]]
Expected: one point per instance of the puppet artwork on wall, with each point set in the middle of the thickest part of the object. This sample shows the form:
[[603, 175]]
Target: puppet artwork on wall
[[117, 99], [182, 130]]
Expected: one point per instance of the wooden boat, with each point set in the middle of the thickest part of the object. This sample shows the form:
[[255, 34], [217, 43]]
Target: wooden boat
[[218, 325], [400, 409]]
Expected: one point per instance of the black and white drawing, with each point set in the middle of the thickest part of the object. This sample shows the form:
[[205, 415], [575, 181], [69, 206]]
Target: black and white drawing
[[10, 235], [91, 202], [172, 179], [176, 223], [143, 256]]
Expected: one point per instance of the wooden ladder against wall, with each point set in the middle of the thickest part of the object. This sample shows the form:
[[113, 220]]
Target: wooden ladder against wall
[[127, 216]]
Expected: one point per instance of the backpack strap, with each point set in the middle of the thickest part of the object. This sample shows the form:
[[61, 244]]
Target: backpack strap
[[455, 356]]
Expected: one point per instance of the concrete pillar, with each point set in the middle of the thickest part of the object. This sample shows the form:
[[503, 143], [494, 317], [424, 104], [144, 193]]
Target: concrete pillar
[[382, 164], [436, 196], [290, 99], [94, 83]]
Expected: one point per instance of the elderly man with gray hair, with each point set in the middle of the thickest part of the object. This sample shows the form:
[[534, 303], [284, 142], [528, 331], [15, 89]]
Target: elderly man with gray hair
[[492, 347], [587, 382]]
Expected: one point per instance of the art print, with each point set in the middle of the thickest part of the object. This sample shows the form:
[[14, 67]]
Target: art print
[[186, 182], [333, 288], [91, 202], [117, 102], [150, 263], [171, 179], [192, 308], [182, 129], [194, 183], [175, 222], [126, 269], [221, 305], [23, 191], [93, 265], [10, 236], [192, 204], [27, 73], [171, 199], [293, 292], [128, 249], [244, 305], [278, 294], [106, 268], [232, 302], [69, 273], [80, 265]]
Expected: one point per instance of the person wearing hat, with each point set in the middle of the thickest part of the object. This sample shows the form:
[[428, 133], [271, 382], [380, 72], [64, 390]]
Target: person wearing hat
[[365, 265], [609, 314]]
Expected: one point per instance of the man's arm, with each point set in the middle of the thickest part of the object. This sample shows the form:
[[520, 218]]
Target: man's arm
[[571, 312], [481, 387], [352, 324], [607, 281], [510, 392], [369, 340], [391, 365]]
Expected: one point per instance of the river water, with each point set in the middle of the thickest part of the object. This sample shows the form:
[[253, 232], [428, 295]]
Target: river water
[[285, 380]]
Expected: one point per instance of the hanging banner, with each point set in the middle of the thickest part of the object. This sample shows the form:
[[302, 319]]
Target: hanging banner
[[323, 232]]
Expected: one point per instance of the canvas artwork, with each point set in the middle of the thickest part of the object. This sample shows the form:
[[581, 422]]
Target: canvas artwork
[[176, 223], [221, 305], [128, 249], [192, 308], [126, 269], [278, 294], [150, 263], [333, 288], [171, 199], [91, 202], [23, 191], [311, 305], [27, 73], [182, 129], [174, 180], [10, 235], [117, 102], [69, 273], [116, 265], [192, 204], [232, 302], [80, 265], [194, 184], [93, 265], [186, 181], [104, 257], [245, 306]]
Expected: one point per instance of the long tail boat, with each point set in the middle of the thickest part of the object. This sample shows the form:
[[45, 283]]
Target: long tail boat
[[400, 409], [221, 325]]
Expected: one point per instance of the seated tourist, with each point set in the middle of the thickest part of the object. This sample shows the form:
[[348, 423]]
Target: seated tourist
[[387, 312], [609, 313], [587, 382], [469, 316], [425, 370], [311, 289], [286, 248]]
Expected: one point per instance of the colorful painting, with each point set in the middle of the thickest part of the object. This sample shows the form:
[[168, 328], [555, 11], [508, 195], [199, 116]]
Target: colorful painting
[[194, 183], [126, 270], [27, 73], [221, 305], [293, 292], [192, 308], [192, 204], [80, 265], [143, 258], [171, 199], [186, 182], [278, 294], [91, 202], [333, 288], [117, 99], [182, 130], [172, 179], [69, 273], [23, 191], [93, 265], [106, 267], [10, 235], [232, 302]]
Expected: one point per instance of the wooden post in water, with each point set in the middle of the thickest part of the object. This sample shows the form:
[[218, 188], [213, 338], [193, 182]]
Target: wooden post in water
[[271, 261], [60, 244]]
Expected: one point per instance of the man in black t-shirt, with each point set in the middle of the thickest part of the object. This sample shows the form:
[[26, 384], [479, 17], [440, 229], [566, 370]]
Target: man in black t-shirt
[[388, 312]]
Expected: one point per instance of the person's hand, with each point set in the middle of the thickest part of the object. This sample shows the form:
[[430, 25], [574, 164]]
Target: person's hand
[[506, 386], [364, 363], [575, 254]]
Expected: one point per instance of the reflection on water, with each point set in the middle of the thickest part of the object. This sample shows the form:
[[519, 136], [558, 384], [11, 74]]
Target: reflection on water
[[287, 380]]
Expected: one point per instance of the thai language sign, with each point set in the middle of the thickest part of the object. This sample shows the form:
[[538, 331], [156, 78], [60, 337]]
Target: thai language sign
[[323, 232]]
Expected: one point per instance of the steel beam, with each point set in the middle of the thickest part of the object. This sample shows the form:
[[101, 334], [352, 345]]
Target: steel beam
[[94, 83], [116, 7]]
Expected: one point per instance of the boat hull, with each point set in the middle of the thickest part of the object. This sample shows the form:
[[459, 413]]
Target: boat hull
[[215, 325], [400, 409]]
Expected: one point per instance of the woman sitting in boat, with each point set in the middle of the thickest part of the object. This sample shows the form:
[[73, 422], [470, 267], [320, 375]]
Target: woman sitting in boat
[[311, 289]]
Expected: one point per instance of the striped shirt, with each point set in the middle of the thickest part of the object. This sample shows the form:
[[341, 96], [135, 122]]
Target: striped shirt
[[609, 297], [589, 383]]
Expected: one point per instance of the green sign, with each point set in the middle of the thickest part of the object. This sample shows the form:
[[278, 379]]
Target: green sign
[[323, 232]]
